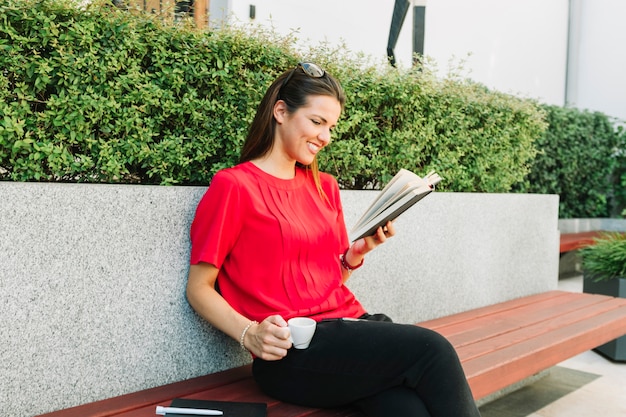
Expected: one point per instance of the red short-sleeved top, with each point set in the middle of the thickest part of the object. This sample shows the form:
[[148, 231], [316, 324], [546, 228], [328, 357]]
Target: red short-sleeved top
[[276, 244]]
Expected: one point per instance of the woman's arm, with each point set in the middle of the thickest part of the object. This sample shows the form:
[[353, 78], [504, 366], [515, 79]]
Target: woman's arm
[[268, 340]]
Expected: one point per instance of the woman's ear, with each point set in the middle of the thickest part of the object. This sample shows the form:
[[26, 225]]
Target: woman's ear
[[280, 111]]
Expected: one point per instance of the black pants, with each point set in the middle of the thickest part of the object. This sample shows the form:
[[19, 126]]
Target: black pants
[[386, 369]]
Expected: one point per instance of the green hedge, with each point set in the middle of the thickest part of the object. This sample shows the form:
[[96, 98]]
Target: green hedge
[[101, 95], [98, 94], [480, 141], [580, 160]]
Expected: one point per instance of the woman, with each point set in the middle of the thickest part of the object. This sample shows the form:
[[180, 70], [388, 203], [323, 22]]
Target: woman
[[269, 243]]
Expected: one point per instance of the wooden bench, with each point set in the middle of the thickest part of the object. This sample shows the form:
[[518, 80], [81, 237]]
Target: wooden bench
[[573, 241], [499, 345]]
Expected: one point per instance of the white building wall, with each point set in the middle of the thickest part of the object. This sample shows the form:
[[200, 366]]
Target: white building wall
[[362, 24], [515, 47], [599, 76]]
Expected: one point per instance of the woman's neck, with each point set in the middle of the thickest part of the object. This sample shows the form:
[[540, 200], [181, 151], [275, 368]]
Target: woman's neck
[[285, 170]]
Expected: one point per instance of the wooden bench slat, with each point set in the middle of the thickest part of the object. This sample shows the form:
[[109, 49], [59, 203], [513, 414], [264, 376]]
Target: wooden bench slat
[[574, 241], [248, 390], [515, 316], [503, 367], [250, 394], [527, 332], [290, 410], [531, 317], [129, 402], [245, 390], [466, 316], [341, 412]]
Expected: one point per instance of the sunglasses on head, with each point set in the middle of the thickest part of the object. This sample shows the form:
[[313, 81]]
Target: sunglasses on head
[[309, 68]]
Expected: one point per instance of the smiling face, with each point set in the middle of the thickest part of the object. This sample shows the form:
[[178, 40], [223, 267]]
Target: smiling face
[[302, 134]]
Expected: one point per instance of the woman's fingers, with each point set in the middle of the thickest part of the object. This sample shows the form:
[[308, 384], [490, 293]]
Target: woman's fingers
[[271, 338]]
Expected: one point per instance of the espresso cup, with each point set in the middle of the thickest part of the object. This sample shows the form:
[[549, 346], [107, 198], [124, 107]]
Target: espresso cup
[[302, 330]]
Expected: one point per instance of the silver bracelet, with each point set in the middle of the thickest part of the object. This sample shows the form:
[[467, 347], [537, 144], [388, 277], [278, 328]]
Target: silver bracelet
[[245, 330]]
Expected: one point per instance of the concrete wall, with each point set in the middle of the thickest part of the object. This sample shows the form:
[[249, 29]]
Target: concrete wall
[[457, 251], [92, 281], [587, 225]]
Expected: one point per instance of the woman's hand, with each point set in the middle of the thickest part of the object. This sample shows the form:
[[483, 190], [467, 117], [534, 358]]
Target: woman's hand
[[369, 243], [356, 252], [269, 340]]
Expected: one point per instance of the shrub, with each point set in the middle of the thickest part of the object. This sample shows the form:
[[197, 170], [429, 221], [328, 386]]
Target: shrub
[[606, 258], [577, 160], [101, 95], [98, 94]]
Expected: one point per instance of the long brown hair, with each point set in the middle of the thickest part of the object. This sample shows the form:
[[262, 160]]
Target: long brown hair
[[295, 93]]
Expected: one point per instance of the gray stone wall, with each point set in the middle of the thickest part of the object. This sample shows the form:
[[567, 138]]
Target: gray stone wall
[[92, 281], [589, 225], [458, 251]]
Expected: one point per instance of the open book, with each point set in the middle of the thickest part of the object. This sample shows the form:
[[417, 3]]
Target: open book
[[404, 190]]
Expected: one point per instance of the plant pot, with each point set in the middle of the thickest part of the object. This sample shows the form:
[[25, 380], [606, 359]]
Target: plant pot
[[615, 349]]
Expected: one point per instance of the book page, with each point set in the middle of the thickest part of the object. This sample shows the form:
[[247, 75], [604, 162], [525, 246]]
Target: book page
[[389, 214], [391, 191], [404, 190]]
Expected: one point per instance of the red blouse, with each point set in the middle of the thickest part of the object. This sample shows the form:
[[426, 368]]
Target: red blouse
[[276, 243]]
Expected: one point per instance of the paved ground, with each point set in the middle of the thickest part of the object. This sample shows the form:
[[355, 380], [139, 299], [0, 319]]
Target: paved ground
[[586, 385]]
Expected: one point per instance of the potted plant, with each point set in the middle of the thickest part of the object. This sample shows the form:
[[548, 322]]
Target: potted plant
[[604, 272]]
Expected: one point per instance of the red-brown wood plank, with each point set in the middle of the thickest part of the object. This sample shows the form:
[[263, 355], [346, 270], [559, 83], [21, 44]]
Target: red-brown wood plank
[[573, 241], [517, 323], [129, 402], [240, 390], [247, 391], [530, 317], [339, 412], [490, 310], [503, 367], [548, 325]]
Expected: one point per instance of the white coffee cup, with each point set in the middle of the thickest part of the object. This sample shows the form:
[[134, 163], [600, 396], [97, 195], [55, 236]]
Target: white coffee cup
[[302, 330]]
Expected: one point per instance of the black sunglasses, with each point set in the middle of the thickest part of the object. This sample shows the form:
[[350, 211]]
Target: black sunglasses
[[309, 68]]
